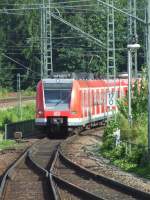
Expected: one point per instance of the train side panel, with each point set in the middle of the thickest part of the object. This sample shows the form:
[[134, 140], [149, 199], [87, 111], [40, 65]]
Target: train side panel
[[75, 116], [97, 101], [88, 101], [40, 113]]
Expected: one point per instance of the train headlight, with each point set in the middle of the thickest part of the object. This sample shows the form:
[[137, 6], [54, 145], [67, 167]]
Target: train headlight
[[73, 112], [40, 112]]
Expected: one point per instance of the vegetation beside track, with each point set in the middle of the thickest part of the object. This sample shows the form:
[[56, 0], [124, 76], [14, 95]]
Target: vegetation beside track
[[9, 144], [131, 153], [13, 115], [7, 92]]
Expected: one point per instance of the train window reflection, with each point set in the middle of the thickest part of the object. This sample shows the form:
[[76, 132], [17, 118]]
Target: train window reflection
[[57, 96]]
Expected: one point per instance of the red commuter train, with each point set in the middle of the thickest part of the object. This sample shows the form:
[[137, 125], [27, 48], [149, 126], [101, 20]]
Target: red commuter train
[[76, 103]]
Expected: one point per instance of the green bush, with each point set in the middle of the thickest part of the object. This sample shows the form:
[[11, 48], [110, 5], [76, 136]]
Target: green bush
[[108, 138], [136, 154], [128, 159], [4, 92], [13, 115], [29, 92]]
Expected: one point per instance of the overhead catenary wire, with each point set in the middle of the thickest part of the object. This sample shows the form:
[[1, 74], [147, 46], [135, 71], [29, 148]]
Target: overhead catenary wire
[[121, 11], [90, 37], [6, 10], [20, 64], [17, 4], [40, 6], [69, 8]]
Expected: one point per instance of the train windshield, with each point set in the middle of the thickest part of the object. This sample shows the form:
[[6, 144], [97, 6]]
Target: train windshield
[[57, 95]]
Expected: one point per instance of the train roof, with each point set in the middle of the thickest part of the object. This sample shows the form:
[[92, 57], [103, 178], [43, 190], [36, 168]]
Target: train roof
[[49, 80]]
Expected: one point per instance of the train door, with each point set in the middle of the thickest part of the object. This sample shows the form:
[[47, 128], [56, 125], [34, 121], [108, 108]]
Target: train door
[[86, 103], [84, 107], [105, 103], [97, 102], [89, 105], [92, 102]]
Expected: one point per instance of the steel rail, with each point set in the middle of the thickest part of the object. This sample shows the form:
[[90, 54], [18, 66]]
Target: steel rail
[[28, 155], [76, 189], [107, 181], [47, 173], [10, 170], [79, 191], [37, 165], [54, 187], [12, 99]]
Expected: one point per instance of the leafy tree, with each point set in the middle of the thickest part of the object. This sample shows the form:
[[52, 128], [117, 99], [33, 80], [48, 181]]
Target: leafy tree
[[20, 38]]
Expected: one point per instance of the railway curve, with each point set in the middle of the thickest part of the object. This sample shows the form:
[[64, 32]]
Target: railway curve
[[89, 185], [28, 177], [44, 171]]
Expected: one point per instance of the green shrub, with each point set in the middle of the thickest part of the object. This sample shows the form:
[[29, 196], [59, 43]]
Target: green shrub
[[128, 159], [7, 144], [108, 138], [29, 92], [13, 115], [136, 154], [4, 92]]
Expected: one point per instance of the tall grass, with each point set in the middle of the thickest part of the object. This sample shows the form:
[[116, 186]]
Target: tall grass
[[28, 92], [5, 144], [133, 159], [4, 92], [13, 115], [137, 133]]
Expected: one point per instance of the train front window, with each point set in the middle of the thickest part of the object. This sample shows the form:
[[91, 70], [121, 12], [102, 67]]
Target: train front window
[[56, 97]]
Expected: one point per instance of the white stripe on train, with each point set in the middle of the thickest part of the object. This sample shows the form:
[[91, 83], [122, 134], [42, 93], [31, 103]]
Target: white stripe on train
[[78, 121]]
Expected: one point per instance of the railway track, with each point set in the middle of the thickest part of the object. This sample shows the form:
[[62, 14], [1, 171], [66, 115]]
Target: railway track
[[45, 172], [29, 178], [72, 179], [14, 99]]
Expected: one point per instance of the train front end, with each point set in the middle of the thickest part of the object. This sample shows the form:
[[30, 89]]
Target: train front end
[[53, 102]]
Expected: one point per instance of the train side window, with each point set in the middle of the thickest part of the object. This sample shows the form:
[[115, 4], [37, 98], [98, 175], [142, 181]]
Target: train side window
[[93, 97], [118, 93], [86, 98], [126, 91], [97, 97], [102, 97], [121, 94], [89, 98], [82, 97]]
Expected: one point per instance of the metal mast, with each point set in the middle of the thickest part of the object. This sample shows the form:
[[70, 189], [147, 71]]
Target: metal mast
[[46, 40], [42, 39], [132, 32], [111, 61], [49, 41]]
